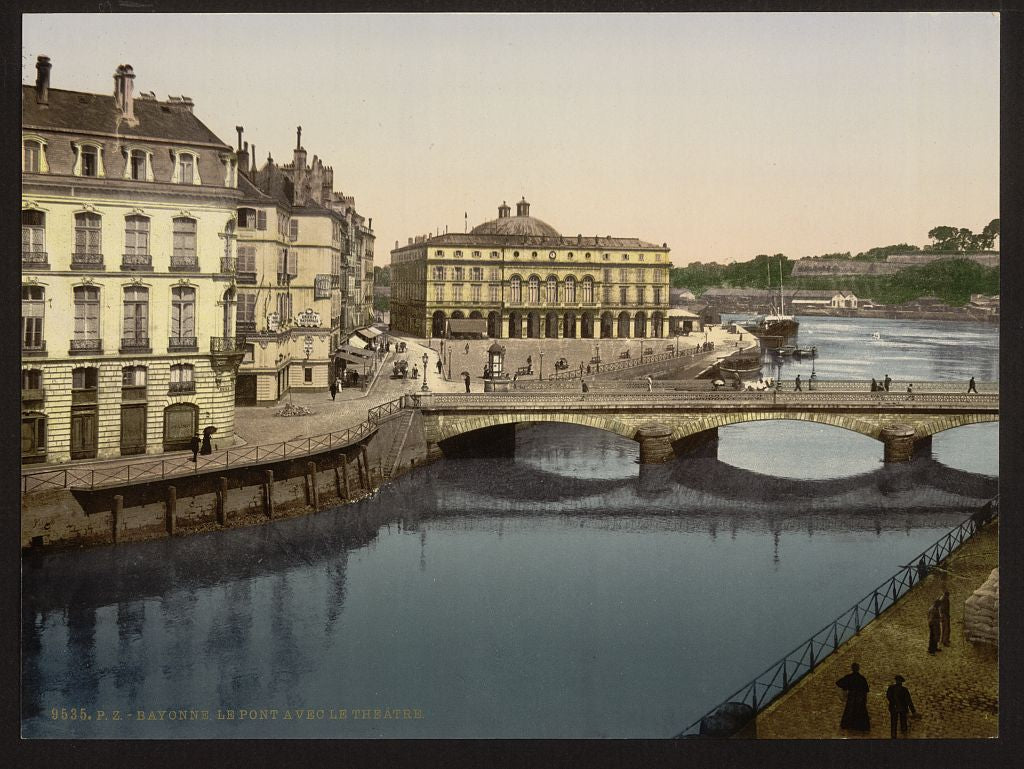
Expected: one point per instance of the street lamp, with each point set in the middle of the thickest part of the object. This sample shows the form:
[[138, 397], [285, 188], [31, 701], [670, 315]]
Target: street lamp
[[541, 365], [425, 359]]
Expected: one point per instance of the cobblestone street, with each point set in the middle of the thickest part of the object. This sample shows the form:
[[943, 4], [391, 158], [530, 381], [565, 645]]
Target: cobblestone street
[[956, 691]]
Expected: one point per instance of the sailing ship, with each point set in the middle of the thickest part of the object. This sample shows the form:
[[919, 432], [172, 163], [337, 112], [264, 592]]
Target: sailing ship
[[774, 323]]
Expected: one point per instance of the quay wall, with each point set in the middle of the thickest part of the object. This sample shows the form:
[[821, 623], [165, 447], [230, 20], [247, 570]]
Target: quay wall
[[65, 518]]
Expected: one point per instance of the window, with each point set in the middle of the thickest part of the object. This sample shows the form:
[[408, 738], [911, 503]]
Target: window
[[136, 237], [476, 254], [182, 378], [494, 274], [287, 266], [247, 217], [494, 254], [293, 230], [607, 275], [551, 255], [84, 378], [133, 376], [457, 293], [516, 290], [474, 293], [88, 238], [183, 315], [533, 291], [607, 294], [458, 274], [588, 290], [31, 379], [604, 257], [90, 162], [136, 317], [284, 307], [552, 289], [533, 255], [261, 220], [245, 312], [476, 273], [32, 312], [622, 294], [657, 294], [458, 253], [642, 276], [186, 169], [640, 294], [247, 259], [640, 257], [87, 313], [137, 165], [439, 273], [32, 156], [493, 293], [625, 257], [515, 253], [184, 253], [439, 293], [623, 275], [570, 289], [33, 236], [586, 255], [307, 375]]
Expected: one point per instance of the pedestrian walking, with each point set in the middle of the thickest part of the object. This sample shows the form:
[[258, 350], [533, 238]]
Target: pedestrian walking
[[910, 390], [467, 348], [900, 704], [333, 388], [934, 627], [586, 387], [922, 569], [971, 387], [529, 363], [944, 618], [874, 385], [650, 383], [207, 446], [588, 368], [886, 382], [466, 377], [439, 367], [797, 383], [855, 713], [194, 447]]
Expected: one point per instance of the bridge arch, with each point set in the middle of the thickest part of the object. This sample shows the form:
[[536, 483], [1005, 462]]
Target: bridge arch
[[454, 426]]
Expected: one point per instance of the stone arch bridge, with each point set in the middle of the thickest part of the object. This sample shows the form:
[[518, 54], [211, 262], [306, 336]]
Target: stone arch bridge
[[672, 423]]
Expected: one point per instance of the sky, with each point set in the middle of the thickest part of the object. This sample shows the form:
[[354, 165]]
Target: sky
[[723, 135]]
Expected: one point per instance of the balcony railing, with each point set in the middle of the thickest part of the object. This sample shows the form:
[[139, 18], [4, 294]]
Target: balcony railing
[[184, 263], [228, 265], [85, 346], [135, 344], [182, 344], [181, 388], [245, 278], [33, 394], [35, 259], [139, 262], [227, 344], [86, 261], [34, 349]]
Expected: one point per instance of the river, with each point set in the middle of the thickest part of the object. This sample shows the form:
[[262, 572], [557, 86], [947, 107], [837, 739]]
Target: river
[[562, 593]]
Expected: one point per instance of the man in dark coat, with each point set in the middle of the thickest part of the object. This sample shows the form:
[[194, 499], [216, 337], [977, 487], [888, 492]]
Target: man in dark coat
[[855, 714], [797, 383], [439, 367], [886, 382], [934, 626], [466, 377], [900, 704], [334, 388], [971, 387], [944, 618], [194, 445]]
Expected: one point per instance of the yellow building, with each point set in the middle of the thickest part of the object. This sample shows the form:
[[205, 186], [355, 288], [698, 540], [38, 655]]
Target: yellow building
[[128, 207], [521, 278]]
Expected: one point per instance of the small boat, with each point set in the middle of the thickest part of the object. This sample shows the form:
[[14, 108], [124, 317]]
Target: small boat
[[876, 336], [806, 352], [787, 349]]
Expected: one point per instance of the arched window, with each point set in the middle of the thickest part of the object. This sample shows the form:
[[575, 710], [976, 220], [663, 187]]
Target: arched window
[[515, 286], [33, 156], [88, 160], [186, 167], [552, 290], [570, 288], [588, 290], [33, 237], [533, 291], [182, 379]]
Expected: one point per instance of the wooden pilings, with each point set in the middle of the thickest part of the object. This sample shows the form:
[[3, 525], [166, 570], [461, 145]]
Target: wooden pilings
[[222, 500], [268, 493], [312, 495], [115, 511], [171, 517]]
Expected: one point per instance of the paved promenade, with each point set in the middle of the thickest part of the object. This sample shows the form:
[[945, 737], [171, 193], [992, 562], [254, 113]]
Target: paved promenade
[[956, 691]]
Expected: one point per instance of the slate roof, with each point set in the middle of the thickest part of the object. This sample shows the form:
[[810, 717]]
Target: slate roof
[[96, 113], [596, 244]]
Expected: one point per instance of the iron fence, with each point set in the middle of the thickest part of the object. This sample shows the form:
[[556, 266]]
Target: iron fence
[[780, 677]]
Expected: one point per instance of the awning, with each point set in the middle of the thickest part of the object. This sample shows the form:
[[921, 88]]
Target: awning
[[355, 341], [353, 354], [467, 326], [349, 357], [369, 333], [677, 313]]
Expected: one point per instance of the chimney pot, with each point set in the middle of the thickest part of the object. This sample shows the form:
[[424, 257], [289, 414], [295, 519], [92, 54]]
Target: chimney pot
[[43, 80], [298, 137], [123, 88], [239, 129]]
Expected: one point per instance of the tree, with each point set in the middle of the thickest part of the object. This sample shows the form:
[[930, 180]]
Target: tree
[[945, 238], [988, 236], [382, 276]]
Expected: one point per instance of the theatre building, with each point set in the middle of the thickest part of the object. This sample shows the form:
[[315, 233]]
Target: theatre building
[[127, 237], [517, 276]]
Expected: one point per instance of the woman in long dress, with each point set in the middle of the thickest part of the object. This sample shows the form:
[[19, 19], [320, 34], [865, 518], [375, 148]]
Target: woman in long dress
[[855, 714]]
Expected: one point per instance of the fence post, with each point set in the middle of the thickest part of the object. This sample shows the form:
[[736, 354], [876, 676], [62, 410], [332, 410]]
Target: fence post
[[811, 655], [876, 602], [115, 514], [856, 617], [314, 496], [785, 676]]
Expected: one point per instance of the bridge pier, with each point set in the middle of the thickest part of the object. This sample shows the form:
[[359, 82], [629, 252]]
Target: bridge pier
[[899, 442], [655, 443], [702, 444]]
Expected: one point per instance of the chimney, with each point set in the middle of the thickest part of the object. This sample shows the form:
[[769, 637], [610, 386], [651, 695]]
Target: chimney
[[370, 225], [522, 208], [243, 157], [254, 159], [123, 88], [239, 129], [503, 210], [300, 154], [43, 80]]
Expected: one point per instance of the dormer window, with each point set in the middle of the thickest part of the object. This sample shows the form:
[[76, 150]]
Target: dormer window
[[625, 257], [186, 167], [476, 254], [458, 253], [439, 253], [138, 165], [33, 156], [88, 160], [640, 257]]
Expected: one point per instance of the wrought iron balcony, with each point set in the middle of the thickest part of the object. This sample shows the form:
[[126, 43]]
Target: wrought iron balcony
[[135, 344], [227, 344], [137, 262], [182, 388], [182, 344], [184, 263], [86, 261], [33, 349], [35, 260], [86, 346], [228, 265]]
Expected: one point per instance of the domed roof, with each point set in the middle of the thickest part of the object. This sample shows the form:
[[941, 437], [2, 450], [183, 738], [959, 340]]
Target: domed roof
[[516, 225]]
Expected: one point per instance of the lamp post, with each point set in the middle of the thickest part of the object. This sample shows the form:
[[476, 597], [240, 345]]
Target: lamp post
[[541, 365], [425, 359]]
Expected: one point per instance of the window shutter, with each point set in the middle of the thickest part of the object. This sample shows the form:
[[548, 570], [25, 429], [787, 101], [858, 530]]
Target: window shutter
[[293, 263], [293, 230], [281, 262], [261, 220]]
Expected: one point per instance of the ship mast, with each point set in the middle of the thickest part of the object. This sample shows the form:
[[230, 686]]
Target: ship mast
[[782, 300]]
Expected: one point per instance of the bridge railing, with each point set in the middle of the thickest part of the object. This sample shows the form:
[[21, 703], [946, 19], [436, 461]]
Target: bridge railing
[[823, 385], [622, 364], [780, 677], [182, 464]]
